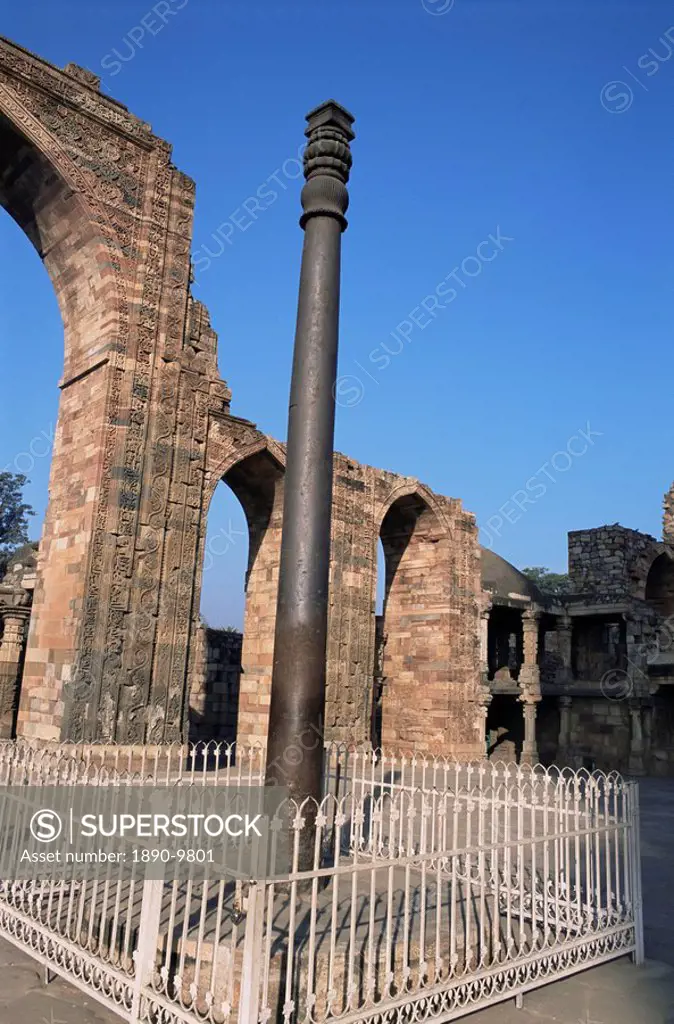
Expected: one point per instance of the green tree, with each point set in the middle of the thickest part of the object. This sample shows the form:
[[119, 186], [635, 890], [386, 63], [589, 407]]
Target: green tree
[[14, 516], [552, 582]]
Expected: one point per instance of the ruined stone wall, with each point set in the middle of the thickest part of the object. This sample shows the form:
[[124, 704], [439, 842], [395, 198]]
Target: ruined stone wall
[[143, 437], [432, 612], [660, 733], [111, 217], [599, 732], [598, 647], [214, 699], [609, 564]]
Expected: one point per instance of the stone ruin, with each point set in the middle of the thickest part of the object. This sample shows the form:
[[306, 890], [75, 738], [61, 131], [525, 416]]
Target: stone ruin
[[144, 435], [469, 659]]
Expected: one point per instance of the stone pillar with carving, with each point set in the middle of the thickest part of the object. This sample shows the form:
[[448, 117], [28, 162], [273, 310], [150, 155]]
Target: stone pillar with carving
[[564, 632], [482, 703], [564, 740], [636, 758], [637, 682], [530, 684], [529, 753], [14, 618], [485, 612]]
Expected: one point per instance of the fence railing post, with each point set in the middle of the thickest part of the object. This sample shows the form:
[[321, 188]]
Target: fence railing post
[[145, 955], [637, 892], [249, 999]]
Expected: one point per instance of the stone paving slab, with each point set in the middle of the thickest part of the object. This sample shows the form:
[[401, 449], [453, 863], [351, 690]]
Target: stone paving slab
[[25, 999]]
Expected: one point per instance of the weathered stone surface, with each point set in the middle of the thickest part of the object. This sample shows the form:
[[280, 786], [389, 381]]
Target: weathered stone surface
[[431, 655], [144, 434]]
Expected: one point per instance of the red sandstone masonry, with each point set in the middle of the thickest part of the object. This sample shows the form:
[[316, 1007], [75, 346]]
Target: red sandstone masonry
[[143, 437]]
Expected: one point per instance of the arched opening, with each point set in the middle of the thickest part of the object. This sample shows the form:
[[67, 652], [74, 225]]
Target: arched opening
[[660, 586], [32, 360], [47, 205], [415, 626], [32, 357], [232, 685], [505, 728], [504, 644]]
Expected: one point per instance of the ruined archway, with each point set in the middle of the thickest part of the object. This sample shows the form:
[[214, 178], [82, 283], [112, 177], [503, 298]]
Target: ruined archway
[[659, 593], [39, 190], [145, 434], [111, 217], [256, 479], [416, 621]]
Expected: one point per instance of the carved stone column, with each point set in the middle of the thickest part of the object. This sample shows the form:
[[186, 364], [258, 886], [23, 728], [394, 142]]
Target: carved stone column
[[637, 658], [530, 684], [530, 747], [564, 741], [530, 673], [636, 759], [485, 613], [564, 632], [11, 652], [481, 711]]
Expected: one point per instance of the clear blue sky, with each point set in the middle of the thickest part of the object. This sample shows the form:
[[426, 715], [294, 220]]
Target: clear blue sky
[[486, 116]]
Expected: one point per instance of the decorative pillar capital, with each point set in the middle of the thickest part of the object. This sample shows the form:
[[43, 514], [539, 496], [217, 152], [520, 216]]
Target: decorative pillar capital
[[483, 695], [327, 163], [14, 618]]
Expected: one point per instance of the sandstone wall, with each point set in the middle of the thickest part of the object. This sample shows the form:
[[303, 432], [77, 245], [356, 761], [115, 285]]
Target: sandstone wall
[[431, 621], [609, 564], [600, 733], [214, 698]]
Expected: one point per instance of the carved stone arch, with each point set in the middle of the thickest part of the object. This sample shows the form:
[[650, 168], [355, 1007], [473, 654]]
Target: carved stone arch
[[658, 588], [55, 205], [219, 470], [411, 488], [252, 465], [418, 618], [641, 568], [109, 641], [82, 184]]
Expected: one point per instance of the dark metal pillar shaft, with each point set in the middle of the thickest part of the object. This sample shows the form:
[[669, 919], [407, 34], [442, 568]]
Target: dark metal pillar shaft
[[296, 717]]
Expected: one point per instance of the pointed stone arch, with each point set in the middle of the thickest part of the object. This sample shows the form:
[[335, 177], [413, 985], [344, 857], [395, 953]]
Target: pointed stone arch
[[659, 585], [411, 487], [48, 196], [416, 621], [252, 465], [96, 193]]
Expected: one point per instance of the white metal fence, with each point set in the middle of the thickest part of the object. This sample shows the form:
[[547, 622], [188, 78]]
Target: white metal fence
[[435, 888]]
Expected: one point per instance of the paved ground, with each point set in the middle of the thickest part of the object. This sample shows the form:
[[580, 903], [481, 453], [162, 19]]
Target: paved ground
[[616, 993]]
